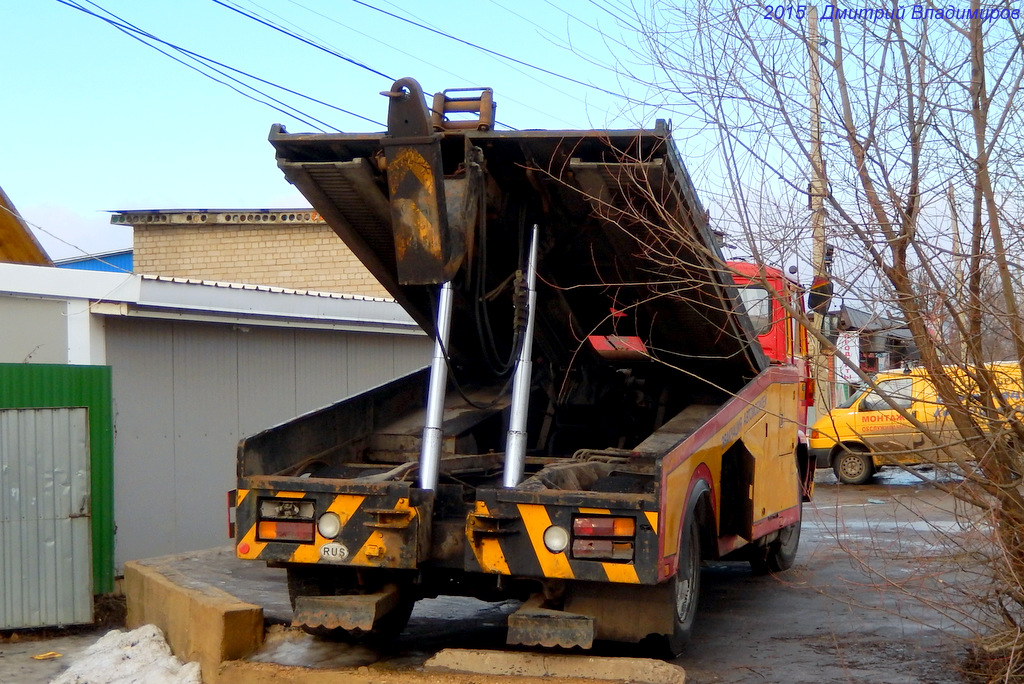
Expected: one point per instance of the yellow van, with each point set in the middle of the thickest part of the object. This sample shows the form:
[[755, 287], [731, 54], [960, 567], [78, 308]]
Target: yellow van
[[864, 433]]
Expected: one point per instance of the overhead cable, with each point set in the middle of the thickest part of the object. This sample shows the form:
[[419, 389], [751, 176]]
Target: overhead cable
[[302, 39], [497, 54], [286, 109]]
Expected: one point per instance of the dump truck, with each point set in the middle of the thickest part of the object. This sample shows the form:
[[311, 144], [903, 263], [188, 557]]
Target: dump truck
[[609, 402]]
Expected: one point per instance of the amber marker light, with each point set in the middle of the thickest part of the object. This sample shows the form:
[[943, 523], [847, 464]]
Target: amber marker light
[[268, 530]]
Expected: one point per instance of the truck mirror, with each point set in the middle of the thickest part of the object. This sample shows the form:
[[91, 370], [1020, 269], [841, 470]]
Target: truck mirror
[[819, 297]]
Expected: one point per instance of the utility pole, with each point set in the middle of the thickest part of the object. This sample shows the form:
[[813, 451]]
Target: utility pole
[[958, 264], [818, 190]]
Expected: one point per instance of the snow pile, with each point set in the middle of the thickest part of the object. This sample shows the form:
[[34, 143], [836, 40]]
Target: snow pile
[[137, 657]]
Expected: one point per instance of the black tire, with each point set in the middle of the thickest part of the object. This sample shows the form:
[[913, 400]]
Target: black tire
[[685, 587], [852, 464], [387, 628], [779, 554], [338, 582]]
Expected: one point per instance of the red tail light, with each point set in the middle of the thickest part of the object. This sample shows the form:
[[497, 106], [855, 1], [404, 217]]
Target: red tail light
[[232, 504], [603, 538], [268, 530], [604, 527], [808, 386], [602, 549]]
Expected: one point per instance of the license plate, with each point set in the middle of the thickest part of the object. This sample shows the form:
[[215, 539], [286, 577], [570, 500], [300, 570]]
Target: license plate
[[334, 553]]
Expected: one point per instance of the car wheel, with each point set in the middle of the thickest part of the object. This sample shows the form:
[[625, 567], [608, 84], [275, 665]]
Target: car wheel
[[853, 465]]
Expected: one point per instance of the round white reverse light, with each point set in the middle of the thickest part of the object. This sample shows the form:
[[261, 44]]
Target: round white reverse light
[[556, 539], [329, 525]]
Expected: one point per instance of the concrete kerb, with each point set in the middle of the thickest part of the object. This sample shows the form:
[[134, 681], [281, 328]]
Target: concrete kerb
[[245, 672], [200, 622], [207, 625], [540, 665]]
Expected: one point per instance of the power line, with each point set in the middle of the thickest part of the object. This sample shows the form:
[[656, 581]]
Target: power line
[[139, 34], [38, 227], [419, 59], [495, 53], [330, 51], [296, 36], [143, 37]]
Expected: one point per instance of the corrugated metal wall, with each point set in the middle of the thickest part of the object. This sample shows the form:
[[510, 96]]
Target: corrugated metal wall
[[185, 393], [120, 262], [24, 385], [45, 540]]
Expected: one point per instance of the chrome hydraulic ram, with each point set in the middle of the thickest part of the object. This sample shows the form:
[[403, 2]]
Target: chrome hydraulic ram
[[430, 454], [515, 444]]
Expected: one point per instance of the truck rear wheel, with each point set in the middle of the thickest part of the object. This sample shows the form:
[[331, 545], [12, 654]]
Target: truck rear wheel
[[853, 464], [686, 586], [779, 554]]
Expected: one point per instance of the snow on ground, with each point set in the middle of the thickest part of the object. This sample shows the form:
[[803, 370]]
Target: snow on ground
[[137, 657]]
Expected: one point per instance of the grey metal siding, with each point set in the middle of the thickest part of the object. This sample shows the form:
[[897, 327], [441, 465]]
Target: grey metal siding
[[266, 377], [186, 392], [205, 431], [45, 539], [371, 360], [321, 369], [411, 353], [142, 359]]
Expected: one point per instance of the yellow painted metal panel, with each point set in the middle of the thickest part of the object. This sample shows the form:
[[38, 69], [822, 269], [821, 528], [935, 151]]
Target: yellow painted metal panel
[[487, 549], [652, 518], [624, 573]]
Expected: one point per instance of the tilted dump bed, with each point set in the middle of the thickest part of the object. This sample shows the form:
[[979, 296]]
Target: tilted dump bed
[[620, 228]]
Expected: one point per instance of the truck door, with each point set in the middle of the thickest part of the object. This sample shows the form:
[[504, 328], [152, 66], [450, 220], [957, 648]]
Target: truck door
[[885, 430]]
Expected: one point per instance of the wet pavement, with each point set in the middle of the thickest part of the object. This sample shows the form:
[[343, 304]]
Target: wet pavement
[[843, 613]]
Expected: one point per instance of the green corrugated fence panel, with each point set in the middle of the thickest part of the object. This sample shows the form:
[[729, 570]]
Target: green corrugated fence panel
[[25, 385]]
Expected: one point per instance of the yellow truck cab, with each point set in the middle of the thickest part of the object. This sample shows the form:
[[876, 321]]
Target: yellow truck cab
[[865, 433]]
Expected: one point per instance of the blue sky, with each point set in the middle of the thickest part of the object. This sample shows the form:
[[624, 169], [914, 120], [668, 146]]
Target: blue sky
[[95, 121]]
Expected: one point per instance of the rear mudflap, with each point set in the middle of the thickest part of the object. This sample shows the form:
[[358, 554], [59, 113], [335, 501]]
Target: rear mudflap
[[535, 625], [356, 612]]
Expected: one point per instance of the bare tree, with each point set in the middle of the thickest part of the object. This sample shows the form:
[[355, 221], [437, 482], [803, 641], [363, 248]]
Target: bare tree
[[922, 139]]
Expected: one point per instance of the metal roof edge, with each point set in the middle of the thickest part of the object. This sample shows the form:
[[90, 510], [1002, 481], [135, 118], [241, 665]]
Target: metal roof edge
[[182, 299], [92, 257], [65, 283], [272, 305]]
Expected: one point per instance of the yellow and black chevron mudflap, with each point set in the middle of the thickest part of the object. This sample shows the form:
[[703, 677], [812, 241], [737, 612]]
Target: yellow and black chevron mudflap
[[376, 525], [562, 535]]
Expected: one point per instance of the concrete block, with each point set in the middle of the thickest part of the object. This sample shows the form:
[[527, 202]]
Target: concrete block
[[634, 670], [201, 623]]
